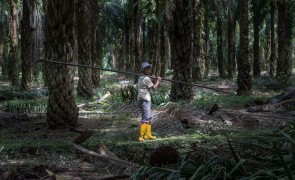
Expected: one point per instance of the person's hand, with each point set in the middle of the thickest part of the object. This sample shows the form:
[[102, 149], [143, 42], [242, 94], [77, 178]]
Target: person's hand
[[158, 78]]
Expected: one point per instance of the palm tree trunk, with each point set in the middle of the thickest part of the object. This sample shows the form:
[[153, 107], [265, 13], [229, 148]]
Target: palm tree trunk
[[272, 41], [126, 56], [2, 37], [244, 78], [59, 46], [220, 60], [230, 53], [207, 43], [153, 45], [143, 26], [38, 44], [284, 42], [45, 68], [95, 16], [267, 32], [14, 57], [168, 20], [27, 42], [256, 53], [136, 39], [197, 48], [234, 58], [100, 31], [158, 64], [84, 47], [163, 53], [157, 42], [181, 50], [121, 60], [1, 55]]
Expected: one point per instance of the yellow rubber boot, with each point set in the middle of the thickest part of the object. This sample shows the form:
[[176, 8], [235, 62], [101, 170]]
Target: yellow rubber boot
[[148, 134], [142, 130]]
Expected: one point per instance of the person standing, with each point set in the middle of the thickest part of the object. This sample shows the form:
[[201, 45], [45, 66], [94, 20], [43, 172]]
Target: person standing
[[144, 85]]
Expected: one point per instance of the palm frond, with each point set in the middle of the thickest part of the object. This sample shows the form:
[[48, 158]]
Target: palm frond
[[154, 173], [114, 165], [116, 13]]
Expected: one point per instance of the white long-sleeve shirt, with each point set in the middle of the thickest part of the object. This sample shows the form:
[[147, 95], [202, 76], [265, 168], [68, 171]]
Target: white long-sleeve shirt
[[144, 83]]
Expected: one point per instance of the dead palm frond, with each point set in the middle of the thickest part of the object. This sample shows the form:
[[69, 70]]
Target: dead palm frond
[[273, 119], [112, 164]]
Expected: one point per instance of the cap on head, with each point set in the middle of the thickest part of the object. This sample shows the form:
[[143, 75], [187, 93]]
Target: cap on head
[[145, 65]]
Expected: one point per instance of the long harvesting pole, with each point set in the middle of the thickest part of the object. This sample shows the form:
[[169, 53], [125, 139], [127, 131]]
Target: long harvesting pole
[[125, 72]]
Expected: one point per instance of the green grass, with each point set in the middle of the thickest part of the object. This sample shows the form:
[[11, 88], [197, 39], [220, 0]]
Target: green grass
[[225, 101], [34, 141]]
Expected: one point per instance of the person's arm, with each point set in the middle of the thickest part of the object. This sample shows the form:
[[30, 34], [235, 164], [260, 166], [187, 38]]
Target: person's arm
[[156, 85]]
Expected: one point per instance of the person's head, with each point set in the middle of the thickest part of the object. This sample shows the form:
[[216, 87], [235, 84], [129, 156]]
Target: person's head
[[146, 68]]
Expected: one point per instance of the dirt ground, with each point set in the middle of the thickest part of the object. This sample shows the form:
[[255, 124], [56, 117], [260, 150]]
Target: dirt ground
[[174, 120], [170, 120], [29, 165]]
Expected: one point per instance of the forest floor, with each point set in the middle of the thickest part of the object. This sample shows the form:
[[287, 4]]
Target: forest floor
[[29, 150]]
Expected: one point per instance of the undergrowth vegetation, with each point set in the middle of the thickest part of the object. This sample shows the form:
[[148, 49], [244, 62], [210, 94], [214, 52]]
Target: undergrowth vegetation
[[226, 101], [271, 159], [231, 153]]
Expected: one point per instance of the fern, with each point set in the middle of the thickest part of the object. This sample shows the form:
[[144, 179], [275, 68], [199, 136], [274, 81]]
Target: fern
[[10, 94], [27, 106], [128, 93]]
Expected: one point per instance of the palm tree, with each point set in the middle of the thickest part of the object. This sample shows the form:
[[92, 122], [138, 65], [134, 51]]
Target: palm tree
[[155, 13], [272, 41], [163, 44], [259, 14], [165, 38], [153, 44], [285, 28], [181, 50], [59, 45], [136, 38], [197, 47], [266, 41], [84, 47], [256, 53], [28, 28], [151, 8], [46, 28], [95, 17], [230, 31], [99, 48], [13, 31], [3, 33], [244, 78], [218, 9], [206, 40]]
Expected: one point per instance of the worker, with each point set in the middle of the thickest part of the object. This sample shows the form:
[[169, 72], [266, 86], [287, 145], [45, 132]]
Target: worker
[[144, 85]]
